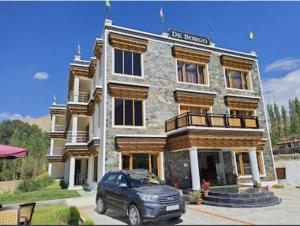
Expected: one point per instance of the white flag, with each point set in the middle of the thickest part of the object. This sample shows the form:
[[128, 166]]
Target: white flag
[[161, 13]]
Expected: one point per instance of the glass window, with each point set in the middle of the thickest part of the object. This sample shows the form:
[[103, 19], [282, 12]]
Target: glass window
[[193, 109], [241, 112], [95, 168], [137, 64], [127, 62], [125, 162], [138, 114], [118, 112], [121, 179], [154, 169], [236, 79], [243, 163], [128, 112], [110, 179], [140, 161], [118, 61], [191, 73]]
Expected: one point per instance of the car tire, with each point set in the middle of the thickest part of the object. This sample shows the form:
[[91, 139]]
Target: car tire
[[101, 207], [134, 216], [176, 218]]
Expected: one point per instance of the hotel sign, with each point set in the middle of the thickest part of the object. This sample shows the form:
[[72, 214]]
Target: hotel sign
[[189, 37]]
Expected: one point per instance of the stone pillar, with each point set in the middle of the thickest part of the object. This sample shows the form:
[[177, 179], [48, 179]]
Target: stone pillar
[[53, 123], [50, 169], [195, 169], [74, 128], [221, 158], [76, 89], [254, 165], [90, 173], [71, 172]]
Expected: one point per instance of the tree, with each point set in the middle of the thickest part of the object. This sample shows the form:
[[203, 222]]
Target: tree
[[21, 134], [285, 123]]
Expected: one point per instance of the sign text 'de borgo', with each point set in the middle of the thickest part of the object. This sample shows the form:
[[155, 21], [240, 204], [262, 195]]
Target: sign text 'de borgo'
[[189, 37]]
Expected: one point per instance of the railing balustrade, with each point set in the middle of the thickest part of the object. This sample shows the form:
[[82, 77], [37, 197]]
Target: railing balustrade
[[79, 137], [211, 120], [56, 151], [59, 128], [79, 96]]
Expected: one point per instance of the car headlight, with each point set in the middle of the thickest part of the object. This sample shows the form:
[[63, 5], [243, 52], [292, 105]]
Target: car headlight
[[146, 197], [180, 192]]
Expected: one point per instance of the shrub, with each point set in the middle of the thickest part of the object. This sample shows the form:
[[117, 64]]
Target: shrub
[[88, 222], [196, 195], [29, 185], [72, 216], [45, 181], [63, 184]]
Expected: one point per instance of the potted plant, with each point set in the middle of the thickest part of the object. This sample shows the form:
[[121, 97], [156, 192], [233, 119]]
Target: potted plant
[[205, 187], [197, 196], [177, 185], [256, 184]]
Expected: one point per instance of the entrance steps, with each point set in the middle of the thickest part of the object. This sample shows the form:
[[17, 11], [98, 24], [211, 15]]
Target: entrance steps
[[241, 197]]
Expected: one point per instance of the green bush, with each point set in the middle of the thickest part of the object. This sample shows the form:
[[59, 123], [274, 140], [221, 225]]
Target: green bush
[[34, 185], [88, 222], [63, 184], [29, 185], [69, 216]]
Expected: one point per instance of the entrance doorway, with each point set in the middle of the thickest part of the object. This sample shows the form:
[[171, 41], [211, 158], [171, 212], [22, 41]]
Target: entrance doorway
[[148, 161], [81, 169]]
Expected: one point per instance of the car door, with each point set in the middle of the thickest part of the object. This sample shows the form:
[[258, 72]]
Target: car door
[[108, 187], [121, 193]]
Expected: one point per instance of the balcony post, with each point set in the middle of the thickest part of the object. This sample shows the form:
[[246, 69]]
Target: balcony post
[[51, 146], [74, 128], [50, 169], [76, 89], [90, 174], [257, 123], [188, 121], [53, 123], [242, 122], [195, 169], [254, 165], [71, 172]]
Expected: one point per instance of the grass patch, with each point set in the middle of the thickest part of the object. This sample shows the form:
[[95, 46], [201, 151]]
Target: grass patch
[[48, 215], [53, 191]]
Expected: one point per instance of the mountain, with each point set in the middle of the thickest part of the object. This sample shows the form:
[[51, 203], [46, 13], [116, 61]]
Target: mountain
[[44, 122]]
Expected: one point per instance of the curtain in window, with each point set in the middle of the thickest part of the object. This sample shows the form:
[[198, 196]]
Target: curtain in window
[[191, 73], [180, 71], [236, 79], [201, 75]]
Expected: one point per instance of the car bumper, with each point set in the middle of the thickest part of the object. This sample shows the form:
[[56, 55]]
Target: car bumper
[[154, 211]]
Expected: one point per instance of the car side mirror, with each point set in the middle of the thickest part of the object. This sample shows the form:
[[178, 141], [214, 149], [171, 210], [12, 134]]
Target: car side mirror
[[123, 185]]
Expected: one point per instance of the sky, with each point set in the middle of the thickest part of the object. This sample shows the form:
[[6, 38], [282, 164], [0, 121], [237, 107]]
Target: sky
[[38, 41]]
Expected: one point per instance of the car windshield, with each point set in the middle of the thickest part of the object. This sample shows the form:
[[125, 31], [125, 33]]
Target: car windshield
[[142, 178]]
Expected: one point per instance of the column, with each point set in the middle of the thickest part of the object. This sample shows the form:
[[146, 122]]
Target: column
[[66, 173], [74, 128], [195, 169], [76, 89], [51, 149], [71, 172], [221, 158], [90, 173], [50, 169], [254, 165], [53, 123], [162, 166]]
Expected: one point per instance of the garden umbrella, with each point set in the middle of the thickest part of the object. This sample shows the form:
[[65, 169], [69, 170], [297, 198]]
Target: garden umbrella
[[9, 152]]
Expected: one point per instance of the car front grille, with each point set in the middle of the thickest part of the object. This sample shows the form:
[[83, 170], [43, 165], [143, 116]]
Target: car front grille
[[171, 199]]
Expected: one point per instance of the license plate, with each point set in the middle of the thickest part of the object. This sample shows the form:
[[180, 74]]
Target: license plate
[[174, 207]]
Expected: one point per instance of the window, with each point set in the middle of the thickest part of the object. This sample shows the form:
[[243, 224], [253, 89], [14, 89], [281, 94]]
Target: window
[[241, 112], [146, 161], [110, 178], [193, 109], [237, 79], [280, 172], [243, 163], [121, 179], [191, 73], [128, 112], [128, 63]]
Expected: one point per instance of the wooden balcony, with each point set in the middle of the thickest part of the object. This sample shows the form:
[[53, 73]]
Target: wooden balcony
[[79, 137], [58, 132], [57, 155], [211, 120]]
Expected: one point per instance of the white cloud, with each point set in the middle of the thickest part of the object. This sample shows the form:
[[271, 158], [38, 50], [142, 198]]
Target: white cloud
[[280, 90], [284, 64], [41, 75], [8, 116]]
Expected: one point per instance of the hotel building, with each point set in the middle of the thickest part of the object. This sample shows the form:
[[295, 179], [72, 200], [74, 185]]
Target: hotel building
[[174, 104]]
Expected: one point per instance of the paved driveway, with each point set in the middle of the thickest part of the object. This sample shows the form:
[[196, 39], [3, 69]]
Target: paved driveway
[[288, 212]]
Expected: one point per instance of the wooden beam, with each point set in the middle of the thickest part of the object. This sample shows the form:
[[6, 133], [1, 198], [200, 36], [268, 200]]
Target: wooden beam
[[191, 55]]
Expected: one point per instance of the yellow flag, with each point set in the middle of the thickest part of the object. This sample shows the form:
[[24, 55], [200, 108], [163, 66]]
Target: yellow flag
[[251, 35], [107, 3]]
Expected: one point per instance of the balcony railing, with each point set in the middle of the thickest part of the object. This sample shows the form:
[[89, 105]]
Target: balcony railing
[[211, 120], [59, 128], [79, 137], [79, 96], [56, 151]]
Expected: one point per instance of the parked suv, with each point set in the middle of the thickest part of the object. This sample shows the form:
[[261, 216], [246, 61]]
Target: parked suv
[[139, 194]]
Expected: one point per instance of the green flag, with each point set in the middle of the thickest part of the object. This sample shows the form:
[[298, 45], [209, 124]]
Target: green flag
[[251, 35], [107, 3]]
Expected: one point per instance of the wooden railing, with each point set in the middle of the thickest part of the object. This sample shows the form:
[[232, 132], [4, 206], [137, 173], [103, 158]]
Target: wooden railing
[[79, 96], [79, 137], [59, 128], [211, 120]]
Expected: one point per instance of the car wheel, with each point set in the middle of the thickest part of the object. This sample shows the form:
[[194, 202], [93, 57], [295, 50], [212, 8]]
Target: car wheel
[[134, 217], [101, 206], [176, 218]]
